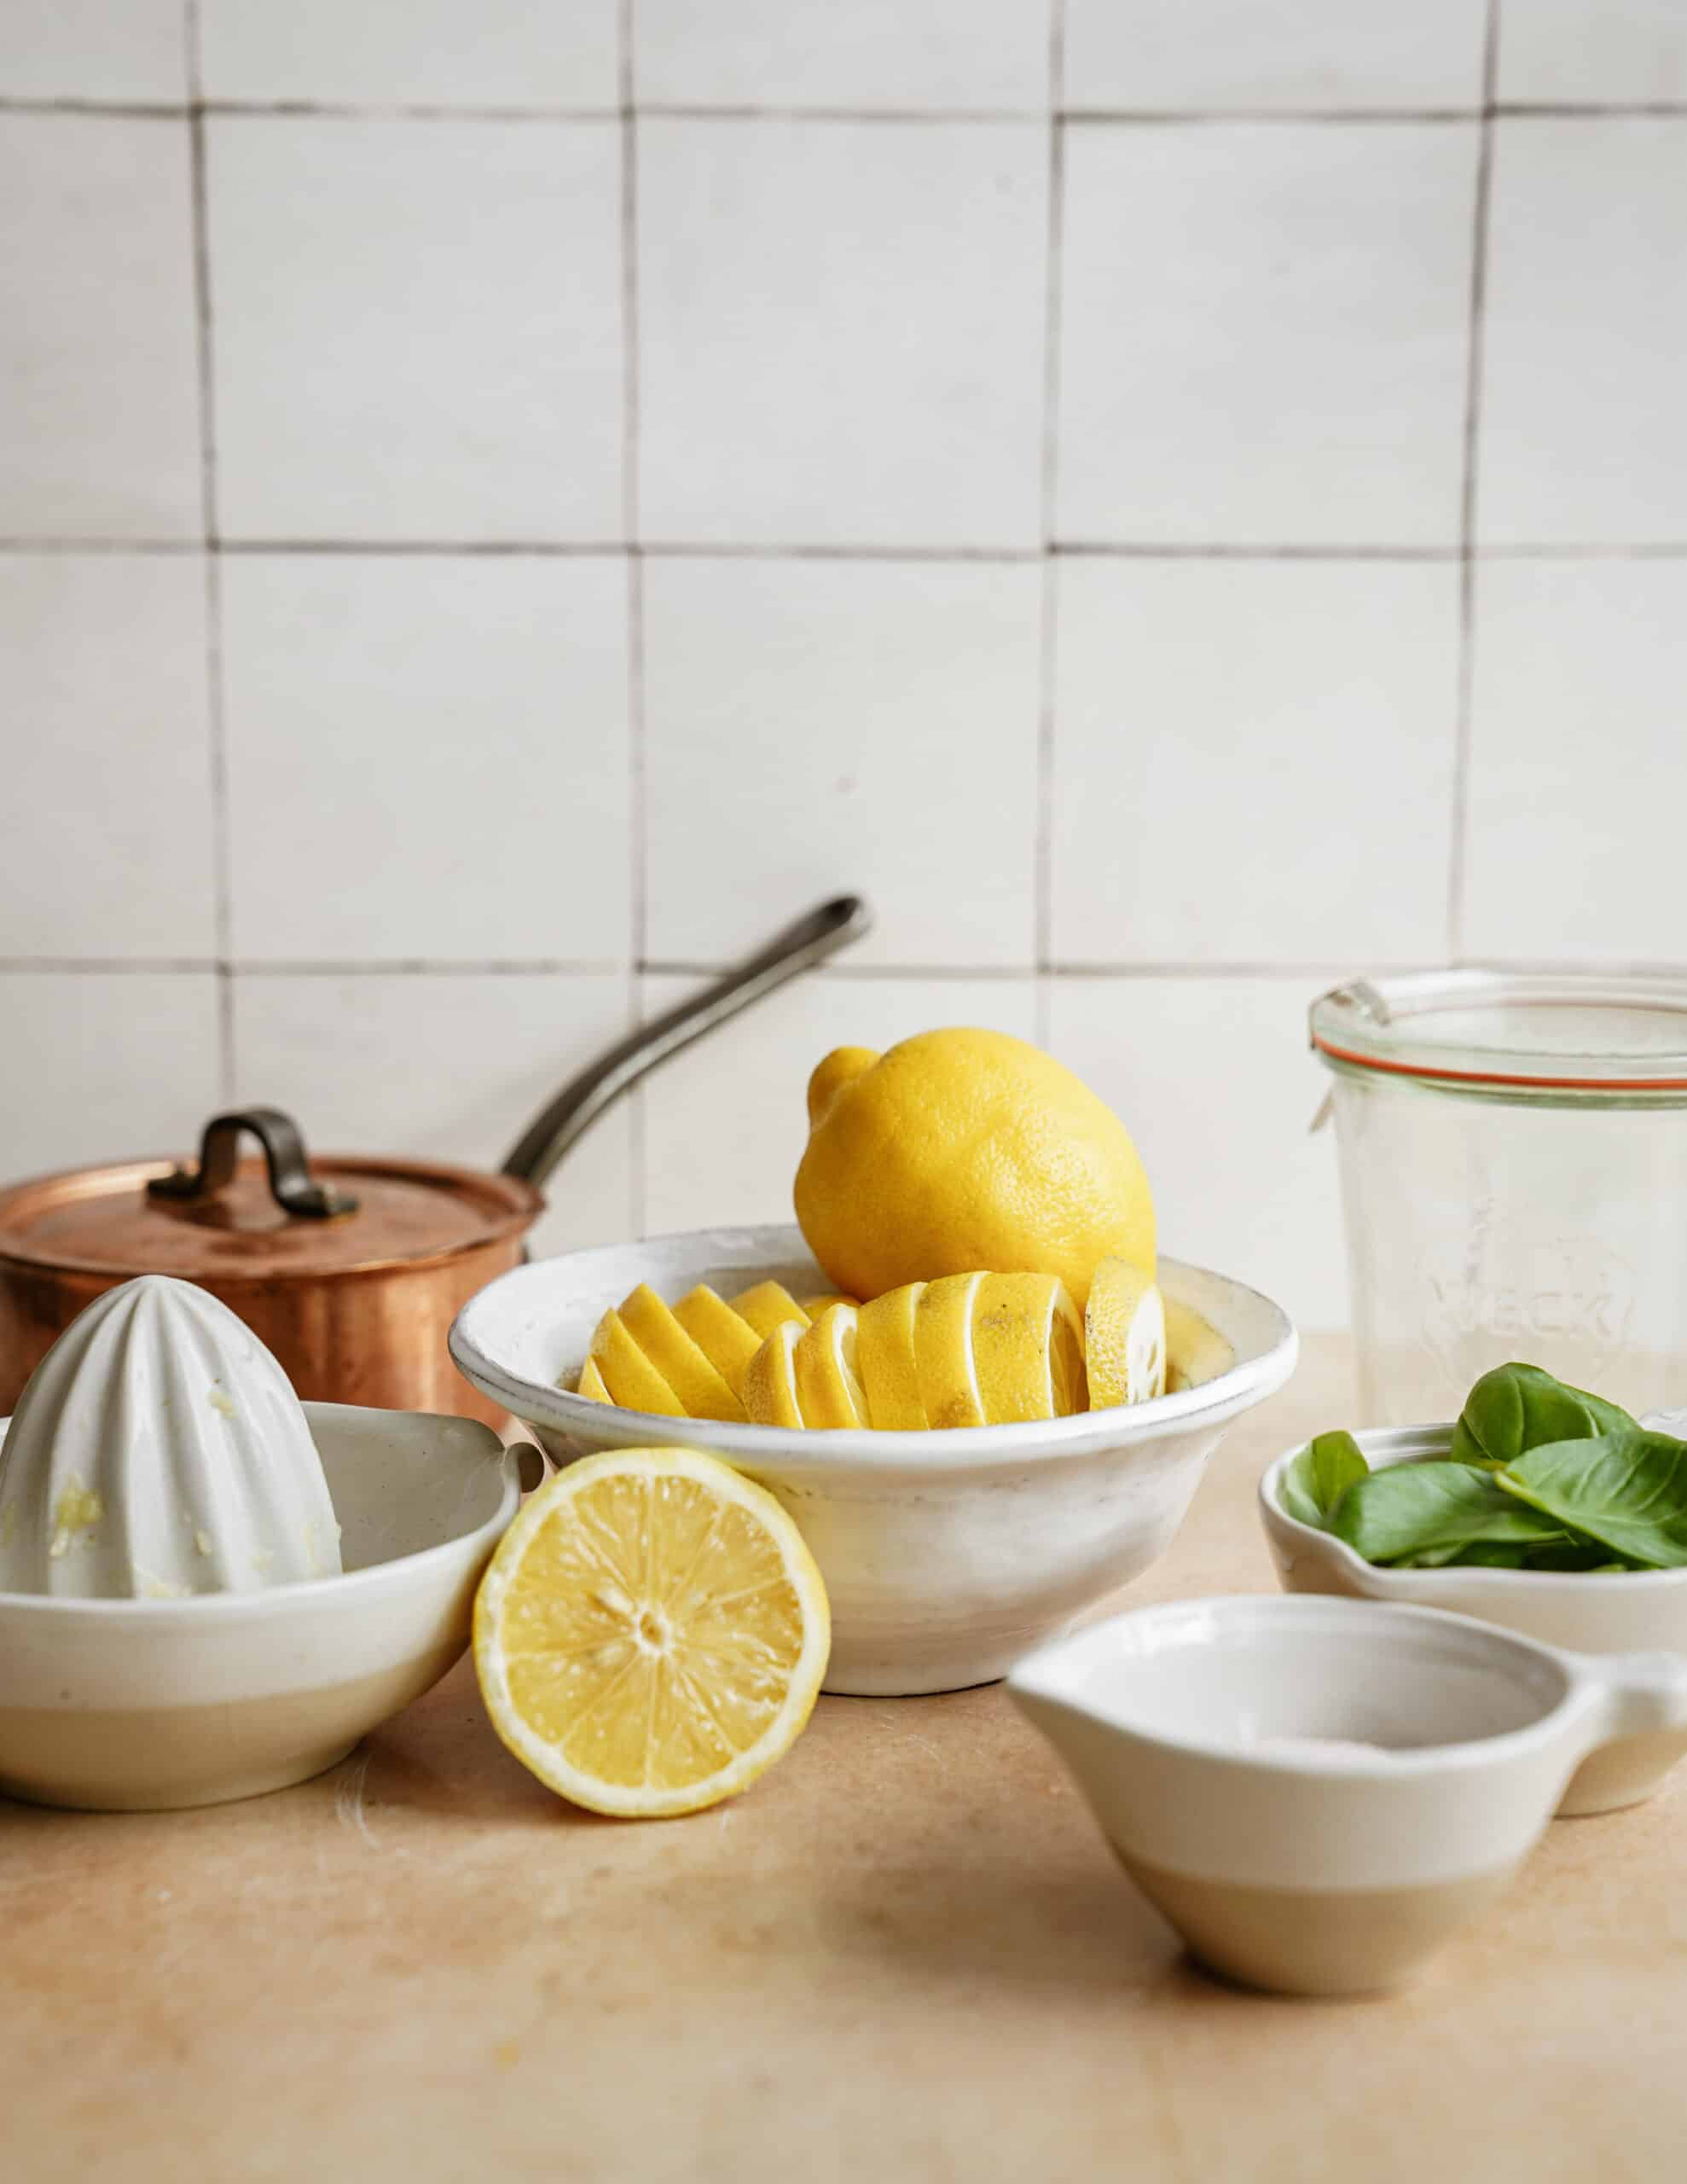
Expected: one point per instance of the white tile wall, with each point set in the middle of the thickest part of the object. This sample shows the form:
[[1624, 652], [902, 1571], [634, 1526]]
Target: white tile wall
[[1584, 434], [842, 331], [417, 328], [1240, 747], [1049, 498], [100, 426], [1264, 333]]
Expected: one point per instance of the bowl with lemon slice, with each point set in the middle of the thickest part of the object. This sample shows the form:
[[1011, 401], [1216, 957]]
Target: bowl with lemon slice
[[984, 1416]]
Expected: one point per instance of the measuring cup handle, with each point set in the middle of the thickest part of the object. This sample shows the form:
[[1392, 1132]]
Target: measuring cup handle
[[1638, 1693]]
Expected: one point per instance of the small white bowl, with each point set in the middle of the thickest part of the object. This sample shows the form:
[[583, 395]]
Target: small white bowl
[[946, 1556], [126, 1706], [1636, 1611], [1309, 1868]]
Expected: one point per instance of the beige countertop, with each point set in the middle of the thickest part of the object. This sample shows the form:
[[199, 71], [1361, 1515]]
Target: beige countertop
[[906, 1954]]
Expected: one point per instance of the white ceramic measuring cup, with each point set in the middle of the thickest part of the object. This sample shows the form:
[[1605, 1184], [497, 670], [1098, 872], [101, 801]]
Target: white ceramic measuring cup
[[1317, 1792]]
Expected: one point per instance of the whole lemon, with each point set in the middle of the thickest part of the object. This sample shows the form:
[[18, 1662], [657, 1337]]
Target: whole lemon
[[959, 1150]]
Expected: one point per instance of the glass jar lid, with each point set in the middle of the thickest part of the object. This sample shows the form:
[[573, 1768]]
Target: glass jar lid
[[1524, 1032]]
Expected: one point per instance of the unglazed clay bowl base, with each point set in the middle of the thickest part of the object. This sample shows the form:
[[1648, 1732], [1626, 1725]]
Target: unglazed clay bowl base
[[1316, 1793], [1615, 1613], [147, 1705], [947, 1557]]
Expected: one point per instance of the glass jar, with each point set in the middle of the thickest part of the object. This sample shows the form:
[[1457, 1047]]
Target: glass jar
[[1513, 1156]]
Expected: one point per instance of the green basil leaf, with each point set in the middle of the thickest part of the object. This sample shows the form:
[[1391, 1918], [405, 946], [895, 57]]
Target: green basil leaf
[[1627, 1489], [1421, 1509], [1320, 1475], [1518, 1408]]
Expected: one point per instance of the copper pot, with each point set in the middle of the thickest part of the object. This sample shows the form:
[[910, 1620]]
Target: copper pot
[[350, 1268]]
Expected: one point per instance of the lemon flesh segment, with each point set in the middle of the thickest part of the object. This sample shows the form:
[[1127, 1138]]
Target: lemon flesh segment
[[677, 1358], [1125, 1336], [1027, 1349], [632, 1381], [1196, 1352], [828, 1383], [728, 1341], [943, 1352], [766, 1306], [652, 1633], [592, 1382], [770, 1384], [884, 1360]]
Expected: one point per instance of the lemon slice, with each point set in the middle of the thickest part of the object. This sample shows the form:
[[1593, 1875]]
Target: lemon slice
[[1125, 1336], [770, 1384], [592, 1382], [814, 1306], [766, 1306], [728, 1341], [1028, 1347], [652, 1633], [828, 1385], [1195, 1350], [632, 1381], [885, 1358], [677, 1358], [943, 1352]]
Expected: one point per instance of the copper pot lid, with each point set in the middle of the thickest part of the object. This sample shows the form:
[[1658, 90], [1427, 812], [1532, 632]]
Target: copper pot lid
[[225, 1219]]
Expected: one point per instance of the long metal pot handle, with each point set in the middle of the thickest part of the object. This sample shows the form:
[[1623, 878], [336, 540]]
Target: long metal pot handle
[[810, 940]]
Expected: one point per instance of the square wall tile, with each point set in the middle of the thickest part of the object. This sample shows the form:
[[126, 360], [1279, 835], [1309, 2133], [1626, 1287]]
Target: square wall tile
[[449, 1067], [1213, 1078], [99, 374], [1253, 760], [1158, 57], [427, 757], [725, 1124], [817, 728], [940, 55], [841, 329], [1591, 52], [1584, 437], [120, 1063], [129, 50], [104, 668], [1578, 761], [448, 53], [1264, 333], [418, 328]]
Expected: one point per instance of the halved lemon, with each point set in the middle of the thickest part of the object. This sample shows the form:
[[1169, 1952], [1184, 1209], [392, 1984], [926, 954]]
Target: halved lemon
[[726, 1339], [651, 1634], [1125, 1335], [1195, 1350], [770, 1385], [943, 1352], [829, 1391], [1028, 1347], [679, 1360], [768, 1305], [885, 1361]]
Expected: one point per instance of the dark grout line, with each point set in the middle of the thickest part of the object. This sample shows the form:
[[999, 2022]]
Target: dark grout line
[[1049, 480], [1458, 832], [1144, 550], [1220, 117], [46, 546], [110, 966], [674, 550], [888, 117], [631, 444], [461, 549]]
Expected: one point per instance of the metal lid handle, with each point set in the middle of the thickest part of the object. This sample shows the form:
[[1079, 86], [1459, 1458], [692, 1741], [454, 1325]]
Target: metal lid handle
[[290, 1179]]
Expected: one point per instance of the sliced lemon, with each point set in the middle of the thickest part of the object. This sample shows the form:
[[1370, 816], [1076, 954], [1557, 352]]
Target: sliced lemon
[[828, 1383], [652, 1633], [885, 1358], [1028, 1347], [768, 1305], [814, 1306], [592, 1382], [632, 1381], [770, 1384], [726, 1339], [677, 1358], [1125, 1336], [943, 1352], [1195, 1350]]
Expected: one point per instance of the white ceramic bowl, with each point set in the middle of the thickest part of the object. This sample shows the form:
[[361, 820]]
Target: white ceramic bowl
[[946, 1556], [1200, 1733], [140, 1704], [1638, 1610]]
